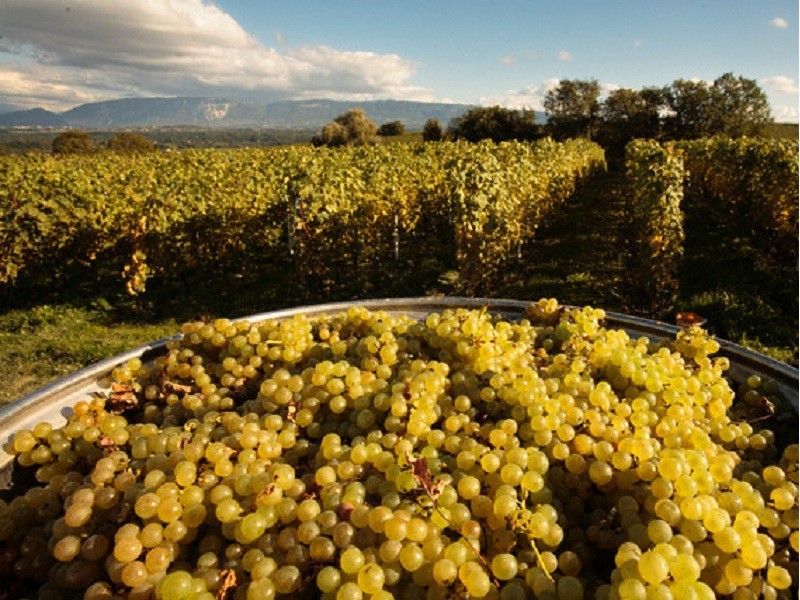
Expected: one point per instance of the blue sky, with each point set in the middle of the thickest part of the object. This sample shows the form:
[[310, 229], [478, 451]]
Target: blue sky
[[57, 54]]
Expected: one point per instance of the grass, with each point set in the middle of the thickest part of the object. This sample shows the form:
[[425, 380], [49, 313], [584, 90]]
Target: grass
[[579, 257], [46, 342]]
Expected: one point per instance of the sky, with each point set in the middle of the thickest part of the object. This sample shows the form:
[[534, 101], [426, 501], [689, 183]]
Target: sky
[[57, 54]]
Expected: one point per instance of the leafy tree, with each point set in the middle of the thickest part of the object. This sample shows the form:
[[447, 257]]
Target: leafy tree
[[738, 107], [688, 102], [432, 131], [573, 109], [72, 142], [628, 114], [495, 123], [129, 143], [392, 128], [351, 128], [732, 106]]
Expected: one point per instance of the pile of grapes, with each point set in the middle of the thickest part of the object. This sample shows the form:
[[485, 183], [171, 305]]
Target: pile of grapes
[[373, 456]]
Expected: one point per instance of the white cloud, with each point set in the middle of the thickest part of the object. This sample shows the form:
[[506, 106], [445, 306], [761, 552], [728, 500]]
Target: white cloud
[[780, 85], [87, 50], [638, 43], [530, 97], [780, 23], [507, 60], [564, 55], [786, 113], [533, 95]]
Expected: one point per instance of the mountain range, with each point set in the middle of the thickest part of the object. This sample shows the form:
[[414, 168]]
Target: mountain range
[[213, 112]]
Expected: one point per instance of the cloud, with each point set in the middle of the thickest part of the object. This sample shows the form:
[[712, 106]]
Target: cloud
[[530, 97], [564, 55], [785, 114], [638, 43], [779, 23], [780, 85], [63, 53], [507, 60]]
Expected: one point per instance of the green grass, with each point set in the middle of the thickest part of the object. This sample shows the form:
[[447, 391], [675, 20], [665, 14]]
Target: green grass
[[579, 257], [46, 342]]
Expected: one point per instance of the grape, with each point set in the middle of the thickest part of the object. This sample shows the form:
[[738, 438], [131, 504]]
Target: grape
[[176, 586], [653, 567], [294, 459], [329, 579], [371, 578]]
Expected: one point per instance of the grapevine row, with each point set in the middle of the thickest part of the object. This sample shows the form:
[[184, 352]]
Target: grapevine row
[[753, 182], [750, 184], [656, 177], [336, 212]]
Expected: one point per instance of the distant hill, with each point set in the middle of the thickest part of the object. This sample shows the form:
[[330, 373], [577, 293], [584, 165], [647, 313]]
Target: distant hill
[[211, 112]]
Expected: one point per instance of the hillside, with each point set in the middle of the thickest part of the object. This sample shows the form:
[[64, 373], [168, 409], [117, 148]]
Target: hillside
[[211, 112]]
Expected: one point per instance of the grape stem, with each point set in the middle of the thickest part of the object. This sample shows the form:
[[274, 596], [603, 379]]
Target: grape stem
[[433, 499]]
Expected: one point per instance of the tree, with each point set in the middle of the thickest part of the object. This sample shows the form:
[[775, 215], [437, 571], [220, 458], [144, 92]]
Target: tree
[[495, 123], [688, 102], [738, 107], [432, 131], [391, 129], [732, 106], [628, 114], [129, 143], [573, 109], [351, 128], [72, 142]]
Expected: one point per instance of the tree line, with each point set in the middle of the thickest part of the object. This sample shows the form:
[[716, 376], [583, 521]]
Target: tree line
[[686, 109]]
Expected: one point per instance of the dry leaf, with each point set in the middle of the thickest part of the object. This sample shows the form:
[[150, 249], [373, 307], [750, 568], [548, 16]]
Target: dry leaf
[[122, 398], [228, 583], [106, 442], [291, 411], [343, 511], [424, 478]]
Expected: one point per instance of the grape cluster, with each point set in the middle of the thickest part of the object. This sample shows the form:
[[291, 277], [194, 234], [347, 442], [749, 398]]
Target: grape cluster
[[366, 455]]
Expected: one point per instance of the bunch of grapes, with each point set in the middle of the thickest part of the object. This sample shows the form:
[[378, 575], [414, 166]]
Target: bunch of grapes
[[371, 456]]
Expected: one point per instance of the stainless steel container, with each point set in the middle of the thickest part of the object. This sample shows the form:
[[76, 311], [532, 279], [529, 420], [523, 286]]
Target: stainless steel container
[[53, 402]]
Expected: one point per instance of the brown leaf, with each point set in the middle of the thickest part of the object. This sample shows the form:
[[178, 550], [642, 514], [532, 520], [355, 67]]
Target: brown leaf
[[122, 398], [173, 387], [106, 442], [424, 478], [684, 320], [291, 411], [343, 511], [228, 583]]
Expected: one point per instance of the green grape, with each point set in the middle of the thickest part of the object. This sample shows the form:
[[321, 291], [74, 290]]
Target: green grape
[[262, 589], [779, 578], [351, 561], [293, 442], [176, 586], [127, 549], [349, 591], [474, 578], [371, 578], [504, 566]]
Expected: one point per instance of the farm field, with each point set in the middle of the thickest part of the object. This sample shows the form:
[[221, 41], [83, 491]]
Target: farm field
[[582, 253]]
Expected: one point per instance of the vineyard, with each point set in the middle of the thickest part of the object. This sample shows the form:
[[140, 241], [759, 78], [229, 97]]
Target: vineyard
[[162, 237], [370, 455], [340, 212]]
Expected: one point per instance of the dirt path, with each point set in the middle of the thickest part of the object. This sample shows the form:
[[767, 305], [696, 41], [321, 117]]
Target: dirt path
[[579, 256]]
